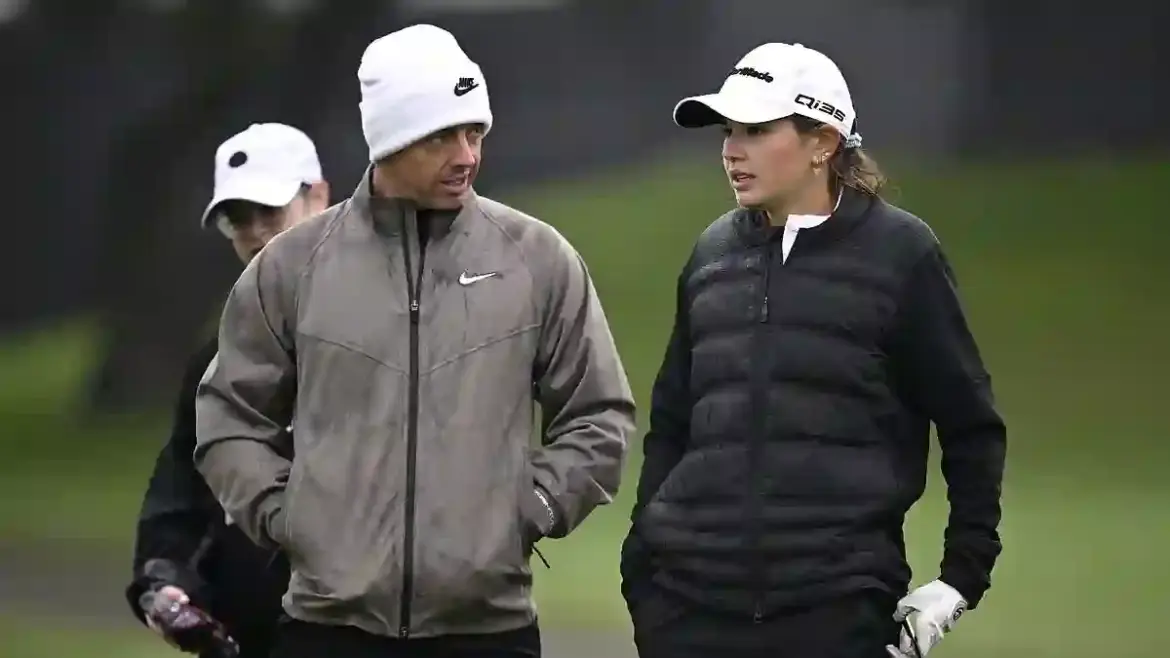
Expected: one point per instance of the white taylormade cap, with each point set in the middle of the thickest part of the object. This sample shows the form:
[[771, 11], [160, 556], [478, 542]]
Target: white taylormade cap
[[774, 81], [267, 164]]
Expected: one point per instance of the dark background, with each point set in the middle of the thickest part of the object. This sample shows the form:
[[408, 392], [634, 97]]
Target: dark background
[[114, 110]]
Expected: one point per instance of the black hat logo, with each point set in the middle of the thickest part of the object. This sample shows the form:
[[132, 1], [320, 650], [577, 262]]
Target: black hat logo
[[238, 159]]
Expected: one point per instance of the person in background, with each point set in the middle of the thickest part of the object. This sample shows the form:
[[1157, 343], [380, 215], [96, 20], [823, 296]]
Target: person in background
[[189, 558], [818, 334]]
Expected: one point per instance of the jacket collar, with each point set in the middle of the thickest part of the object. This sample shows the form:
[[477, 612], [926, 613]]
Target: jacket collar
[[388, 214], [852, 209]]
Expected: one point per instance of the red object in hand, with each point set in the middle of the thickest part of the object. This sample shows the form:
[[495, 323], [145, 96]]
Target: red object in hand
[[189, 628]]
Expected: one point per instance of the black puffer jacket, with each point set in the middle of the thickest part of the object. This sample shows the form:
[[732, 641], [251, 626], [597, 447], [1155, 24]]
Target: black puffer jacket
[[789, 423]]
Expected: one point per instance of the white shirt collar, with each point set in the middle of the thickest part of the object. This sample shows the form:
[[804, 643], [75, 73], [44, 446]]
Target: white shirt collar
[[798, 222]]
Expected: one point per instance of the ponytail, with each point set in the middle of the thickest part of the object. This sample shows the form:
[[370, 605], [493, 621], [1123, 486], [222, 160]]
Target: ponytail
[[853, 167]]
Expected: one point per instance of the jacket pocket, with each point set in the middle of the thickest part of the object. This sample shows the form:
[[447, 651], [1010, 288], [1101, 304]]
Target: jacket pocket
[[309, 527], [278, 527], [656, 609], [527, 507], [636, 567], [532, 517], [283, 525]]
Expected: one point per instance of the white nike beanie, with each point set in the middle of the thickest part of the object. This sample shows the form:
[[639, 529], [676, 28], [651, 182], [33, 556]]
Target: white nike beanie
[[414, 82]]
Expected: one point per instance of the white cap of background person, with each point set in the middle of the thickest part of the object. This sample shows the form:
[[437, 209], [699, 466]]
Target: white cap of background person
[[267, 164], [414, 82], [774, 81]]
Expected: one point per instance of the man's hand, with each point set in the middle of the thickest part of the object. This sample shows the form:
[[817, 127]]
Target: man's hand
[[168, 611], [166, 596], [927, 614]]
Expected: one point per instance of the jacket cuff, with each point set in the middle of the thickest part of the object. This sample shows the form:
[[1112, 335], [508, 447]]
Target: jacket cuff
[[275, 526], [134, 592], [971, 588], [548, 517]]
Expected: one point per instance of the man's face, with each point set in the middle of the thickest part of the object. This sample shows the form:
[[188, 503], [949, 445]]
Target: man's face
[[249, 225], [438, 170]]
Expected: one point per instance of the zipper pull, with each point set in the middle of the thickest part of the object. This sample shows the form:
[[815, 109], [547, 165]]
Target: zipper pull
[[414, 311], [764, 309]]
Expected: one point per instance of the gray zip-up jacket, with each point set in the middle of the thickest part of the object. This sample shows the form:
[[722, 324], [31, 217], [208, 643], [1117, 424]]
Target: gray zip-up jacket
[[417, 486]]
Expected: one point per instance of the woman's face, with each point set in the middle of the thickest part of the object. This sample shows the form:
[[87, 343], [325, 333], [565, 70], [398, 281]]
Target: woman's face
[[768, 162]]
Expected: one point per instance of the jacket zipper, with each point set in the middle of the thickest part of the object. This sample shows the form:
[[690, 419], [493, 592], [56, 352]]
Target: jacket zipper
[[759, 403], [767, 282], [414, 289]]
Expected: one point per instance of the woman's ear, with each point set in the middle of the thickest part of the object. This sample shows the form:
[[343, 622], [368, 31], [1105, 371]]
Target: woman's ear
[[824, 141], [828, 141]]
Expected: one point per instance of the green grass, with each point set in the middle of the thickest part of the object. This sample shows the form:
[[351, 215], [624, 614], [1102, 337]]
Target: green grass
[[1062, 271], [60, 476], [44, 638]]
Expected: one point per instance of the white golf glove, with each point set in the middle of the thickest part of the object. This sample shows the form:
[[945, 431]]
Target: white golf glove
[[930, 612]]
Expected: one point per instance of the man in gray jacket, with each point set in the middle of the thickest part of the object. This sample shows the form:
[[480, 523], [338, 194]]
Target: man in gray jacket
[[410, 330]]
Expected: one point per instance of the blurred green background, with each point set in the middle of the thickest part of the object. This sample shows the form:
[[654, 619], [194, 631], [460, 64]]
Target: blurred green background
[[1061, 266]]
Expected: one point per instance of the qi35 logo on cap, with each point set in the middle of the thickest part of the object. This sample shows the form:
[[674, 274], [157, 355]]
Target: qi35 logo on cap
[[820, 106]]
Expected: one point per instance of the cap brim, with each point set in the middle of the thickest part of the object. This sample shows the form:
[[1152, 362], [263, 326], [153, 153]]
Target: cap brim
[[266, 192], [713, 109]]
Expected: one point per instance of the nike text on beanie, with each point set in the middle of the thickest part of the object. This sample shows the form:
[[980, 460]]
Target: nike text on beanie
[[414, 82]]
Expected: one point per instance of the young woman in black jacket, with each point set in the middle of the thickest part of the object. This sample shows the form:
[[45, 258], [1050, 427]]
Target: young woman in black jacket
[[817, 336]]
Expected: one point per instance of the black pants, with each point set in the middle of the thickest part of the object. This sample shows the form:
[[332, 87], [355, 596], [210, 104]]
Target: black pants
[[855, 626], [252, 645], [297, 639]]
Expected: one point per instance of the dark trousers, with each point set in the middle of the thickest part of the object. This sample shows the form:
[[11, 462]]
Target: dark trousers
[[297, 639], [252, 645], [855, 626]]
